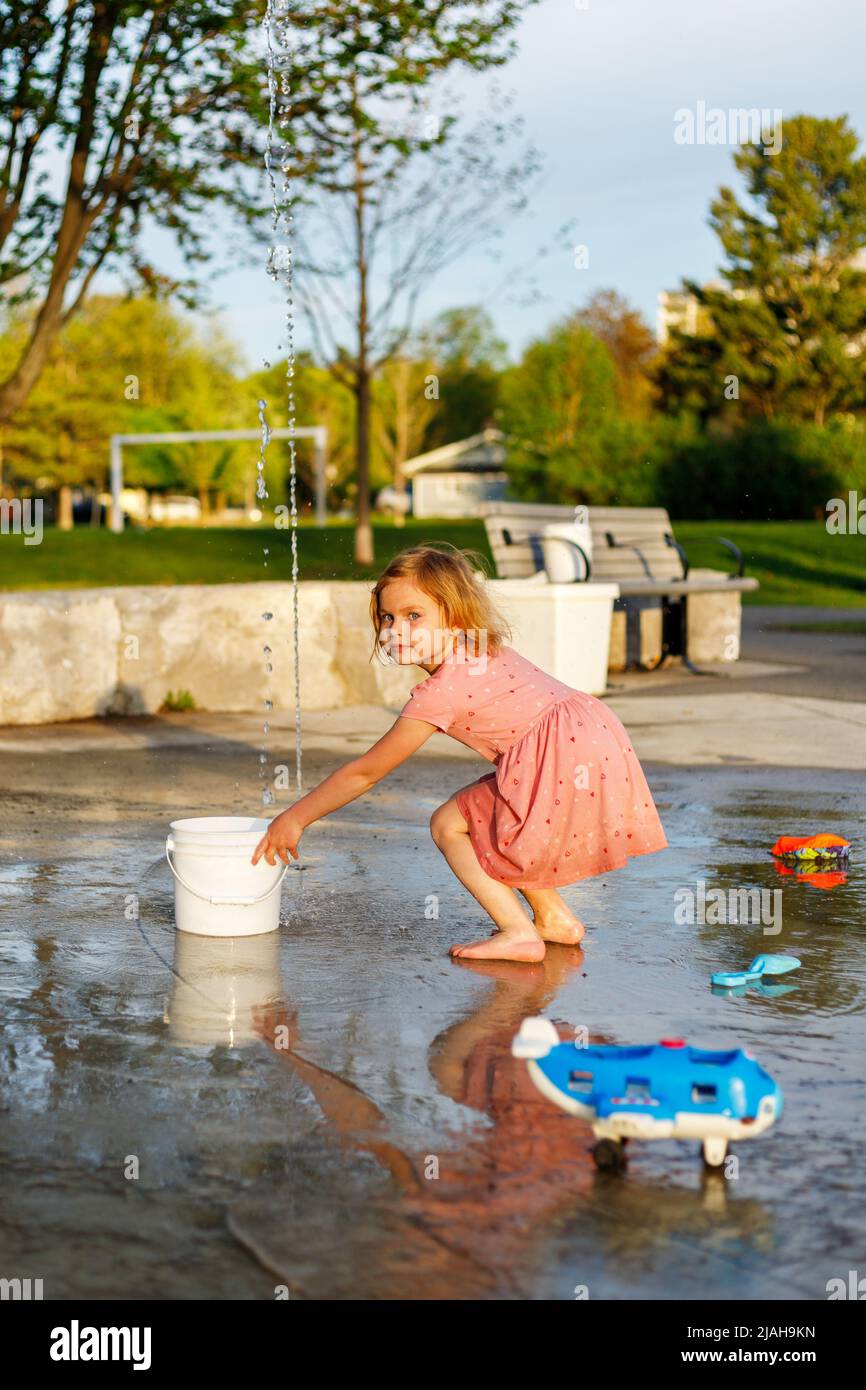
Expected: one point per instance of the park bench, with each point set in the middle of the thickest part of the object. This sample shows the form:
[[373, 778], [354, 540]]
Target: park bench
[[666, 608]]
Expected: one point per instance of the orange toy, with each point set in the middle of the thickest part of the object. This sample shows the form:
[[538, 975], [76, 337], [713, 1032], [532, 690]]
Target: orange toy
[[811, 847]]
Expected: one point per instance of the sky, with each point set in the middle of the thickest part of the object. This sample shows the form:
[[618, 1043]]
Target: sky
[[597, 83]]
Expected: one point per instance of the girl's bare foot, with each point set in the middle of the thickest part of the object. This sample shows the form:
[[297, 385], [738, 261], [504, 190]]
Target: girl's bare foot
[[502, 946], [562, 927]]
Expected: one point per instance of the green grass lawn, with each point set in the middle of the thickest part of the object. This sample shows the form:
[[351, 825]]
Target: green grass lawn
[[797, 562]]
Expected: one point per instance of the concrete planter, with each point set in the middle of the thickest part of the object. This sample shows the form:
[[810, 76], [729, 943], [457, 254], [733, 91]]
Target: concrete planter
[[87, 652], [563, 628]]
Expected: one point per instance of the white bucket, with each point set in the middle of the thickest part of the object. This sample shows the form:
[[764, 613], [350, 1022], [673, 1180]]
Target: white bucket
[[564, 564], [217, 890]]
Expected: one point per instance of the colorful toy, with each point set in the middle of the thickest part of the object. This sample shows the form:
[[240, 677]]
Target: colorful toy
[[761, 965], [663, 1090], [824, 848]]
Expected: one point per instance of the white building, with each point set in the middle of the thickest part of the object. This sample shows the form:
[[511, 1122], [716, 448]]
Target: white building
[[451, 481]]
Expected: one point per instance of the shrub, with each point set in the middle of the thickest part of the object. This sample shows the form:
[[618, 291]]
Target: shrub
[[765, 471], [177, 702]]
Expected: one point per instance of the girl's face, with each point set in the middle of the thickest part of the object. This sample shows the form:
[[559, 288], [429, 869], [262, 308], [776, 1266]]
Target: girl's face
[[411, 626]]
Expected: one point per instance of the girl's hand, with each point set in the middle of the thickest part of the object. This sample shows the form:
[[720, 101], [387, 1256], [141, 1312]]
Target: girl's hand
[[280, 839]]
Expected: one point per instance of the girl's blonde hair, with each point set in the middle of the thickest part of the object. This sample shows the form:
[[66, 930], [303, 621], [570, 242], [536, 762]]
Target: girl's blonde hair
[[448, 576]]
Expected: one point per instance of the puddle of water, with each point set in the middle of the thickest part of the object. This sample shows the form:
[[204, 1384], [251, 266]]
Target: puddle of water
[[288, 1099]]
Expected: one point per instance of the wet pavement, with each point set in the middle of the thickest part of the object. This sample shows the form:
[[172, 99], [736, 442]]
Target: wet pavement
[[333, 1107]]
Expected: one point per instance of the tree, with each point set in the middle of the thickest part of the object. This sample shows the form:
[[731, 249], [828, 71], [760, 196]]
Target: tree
[[556, 406], [631, 344], [788, 327], [128, 366], [151, 107], [469, 361], [387, 179], [320, 400], [403, 407]]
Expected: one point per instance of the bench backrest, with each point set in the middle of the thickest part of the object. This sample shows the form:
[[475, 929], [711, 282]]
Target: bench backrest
[[640, 550], [518, 520]]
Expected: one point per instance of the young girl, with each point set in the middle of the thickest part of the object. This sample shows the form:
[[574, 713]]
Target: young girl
[[568, 798]]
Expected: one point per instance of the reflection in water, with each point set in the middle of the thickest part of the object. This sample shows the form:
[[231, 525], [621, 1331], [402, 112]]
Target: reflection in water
[[815, 875], [219, 985], [470, 1219]]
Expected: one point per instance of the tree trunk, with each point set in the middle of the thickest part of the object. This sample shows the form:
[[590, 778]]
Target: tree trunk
[[400, 489], [204, 503], [64, 509], [363, 529], [402, 425]]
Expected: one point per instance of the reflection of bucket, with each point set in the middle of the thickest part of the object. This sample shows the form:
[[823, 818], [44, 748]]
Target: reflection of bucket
[[217, 890], [218, 988]]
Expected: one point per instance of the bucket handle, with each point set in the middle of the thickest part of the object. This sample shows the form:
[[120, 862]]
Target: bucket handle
[[219, 902]]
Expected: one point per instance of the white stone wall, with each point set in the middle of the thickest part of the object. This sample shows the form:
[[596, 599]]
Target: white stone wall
[[73, 655], [87, 652]]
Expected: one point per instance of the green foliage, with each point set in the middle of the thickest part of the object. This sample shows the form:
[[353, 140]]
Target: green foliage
[[177, 702], [320, 399], [157, 112], [130, 366], [469, 360], [765, 470], [790, 321], [402, 409], [568, 438], [632, 346]]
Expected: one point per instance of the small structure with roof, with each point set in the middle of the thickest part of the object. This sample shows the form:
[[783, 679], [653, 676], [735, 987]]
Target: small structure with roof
[[456, 479]]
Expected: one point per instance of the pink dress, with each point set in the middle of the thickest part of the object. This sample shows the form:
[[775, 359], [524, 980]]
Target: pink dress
[[568, 798]]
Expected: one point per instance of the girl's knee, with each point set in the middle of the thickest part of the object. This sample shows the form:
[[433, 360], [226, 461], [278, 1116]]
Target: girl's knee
[[445, 821], [438, 825]]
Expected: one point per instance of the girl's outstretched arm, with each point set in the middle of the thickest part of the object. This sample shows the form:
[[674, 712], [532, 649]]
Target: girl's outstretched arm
[[349, 781]]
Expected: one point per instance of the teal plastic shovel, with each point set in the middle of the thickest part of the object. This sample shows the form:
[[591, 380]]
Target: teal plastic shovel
[[761, 965]]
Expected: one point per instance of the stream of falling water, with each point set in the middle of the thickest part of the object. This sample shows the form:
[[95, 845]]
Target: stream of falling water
[[277, 28]]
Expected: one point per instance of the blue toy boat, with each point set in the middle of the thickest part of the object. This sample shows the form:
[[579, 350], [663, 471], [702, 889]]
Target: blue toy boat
[[664, 1090]]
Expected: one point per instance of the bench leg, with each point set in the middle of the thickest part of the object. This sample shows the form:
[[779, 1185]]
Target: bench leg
[[645, 633], [684, 640]]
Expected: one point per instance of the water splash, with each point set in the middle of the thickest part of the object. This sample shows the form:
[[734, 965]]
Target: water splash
[[280, 60], [261, 490]]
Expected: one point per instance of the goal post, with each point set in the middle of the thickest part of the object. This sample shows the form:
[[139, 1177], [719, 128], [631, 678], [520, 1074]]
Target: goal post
[[318, 433]]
